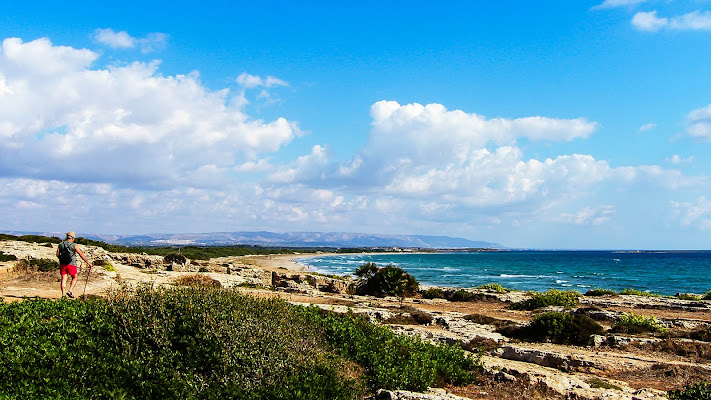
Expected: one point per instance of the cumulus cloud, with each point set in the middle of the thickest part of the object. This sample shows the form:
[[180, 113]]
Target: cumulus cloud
[[694, 21], [699, 123], [122, 40], [694, 213], [60, 118]]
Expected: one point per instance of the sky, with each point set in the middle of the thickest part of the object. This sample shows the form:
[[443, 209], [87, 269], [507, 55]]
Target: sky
[[548, 124]]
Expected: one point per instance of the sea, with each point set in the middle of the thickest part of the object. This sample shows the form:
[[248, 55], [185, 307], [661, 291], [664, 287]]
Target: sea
[[661, 272]]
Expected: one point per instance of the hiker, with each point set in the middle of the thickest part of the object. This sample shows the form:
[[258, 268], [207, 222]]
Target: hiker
[[67, 253]]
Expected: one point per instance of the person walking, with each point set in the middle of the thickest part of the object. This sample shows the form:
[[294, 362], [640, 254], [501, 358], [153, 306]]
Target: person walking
[[67, 253]]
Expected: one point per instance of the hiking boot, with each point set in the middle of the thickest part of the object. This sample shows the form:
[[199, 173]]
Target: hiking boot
[[70, 295]]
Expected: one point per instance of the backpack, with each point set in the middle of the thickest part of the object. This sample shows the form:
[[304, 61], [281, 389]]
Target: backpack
[[66, 253]]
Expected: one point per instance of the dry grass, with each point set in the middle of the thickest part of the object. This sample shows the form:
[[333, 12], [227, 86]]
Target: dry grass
[[196, 280]]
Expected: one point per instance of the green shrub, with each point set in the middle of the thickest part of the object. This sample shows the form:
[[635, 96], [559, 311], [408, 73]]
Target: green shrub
[[688, 296], [175, 258], [208, 343], [389, 280], [637, 324], [44, 264], [105, 264], [7, 257], [463, 295], [600, 292], [552, 297], [635, 292], [433, 293], [556, 327], [699, 391], [203, 269], [494, 287], [597, 383], [707, 296]]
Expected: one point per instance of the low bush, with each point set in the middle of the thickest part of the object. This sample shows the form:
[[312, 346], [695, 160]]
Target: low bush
[[635, 292], [600, 292], [637, 324], [105, 264], [408, 315], [552, 297], [486, 320], [209, 343], [494, 287], [7, 257], [433, 293], [462, 295], [175, 258], [707, 296], [691, 350], [196, 280], [556, 327], [699, 391]]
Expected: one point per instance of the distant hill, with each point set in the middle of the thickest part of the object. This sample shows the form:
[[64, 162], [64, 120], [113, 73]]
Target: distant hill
[[293, 239]]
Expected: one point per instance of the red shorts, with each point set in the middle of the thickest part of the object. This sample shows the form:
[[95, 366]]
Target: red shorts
[[68, 269]]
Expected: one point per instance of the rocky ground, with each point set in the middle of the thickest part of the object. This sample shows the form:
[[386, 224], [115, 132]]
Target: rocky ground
[[610, 367]]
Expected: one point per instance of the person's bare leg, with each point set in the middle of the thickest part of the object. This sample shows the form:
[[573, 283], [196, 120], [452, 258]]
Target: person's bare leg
[[63, 283], [75, 278]]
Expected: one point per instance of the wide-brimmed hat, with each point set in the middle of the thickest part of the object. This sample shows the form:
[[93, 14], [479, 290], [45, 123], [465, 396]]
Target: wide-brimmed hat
[[71, 235]]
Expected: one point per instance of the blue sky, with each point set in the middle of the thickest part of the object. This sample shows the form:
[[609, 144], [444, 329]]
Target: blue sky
[[551, 124]]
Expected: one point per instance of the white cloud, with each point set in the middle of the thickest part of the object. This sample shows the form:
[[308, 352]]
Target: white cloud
[[694, 214], [649, 21], [647, 127], [589, 216], [677, 159], [122, 40], [699, 123], [618, 3], [249, 81], [62, 119]]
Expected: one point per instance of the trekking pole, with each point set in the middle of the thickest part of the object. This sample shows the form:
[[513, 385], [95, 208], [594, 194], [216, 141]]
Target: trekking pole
[[86, 283]]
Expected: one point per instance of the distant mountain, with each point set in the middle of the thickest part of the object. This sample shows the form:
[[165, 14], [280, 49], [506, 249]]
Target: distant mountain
[[293, 239]]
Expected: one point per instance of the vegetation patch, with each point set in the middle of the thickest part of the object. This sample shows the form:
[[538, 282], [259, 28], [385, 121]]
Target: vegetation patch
[[635, 292], [600, 292], [597, 383], [433, 293], [175, 258], [494, 287], [698, 391], [707, 296], [637, 324], [389, 280], [553, 297], [463, 295], [105, 264], [486, 320], [197, 280], [7, 257], [204, 342], [556, 327]]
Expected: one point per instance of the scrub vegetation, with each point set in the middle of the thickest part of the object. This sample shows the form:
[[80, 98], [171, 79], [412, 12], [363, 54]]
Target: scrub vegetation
[[199, 341]]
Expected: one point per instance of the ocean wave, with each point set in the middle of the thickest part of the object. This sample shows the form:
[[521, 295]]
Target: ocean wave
[[560, 281], [522, 276]]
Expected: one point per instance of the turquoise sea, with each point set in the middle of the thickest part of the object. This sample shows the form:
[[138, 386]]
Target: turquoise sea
[[659, 272]]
